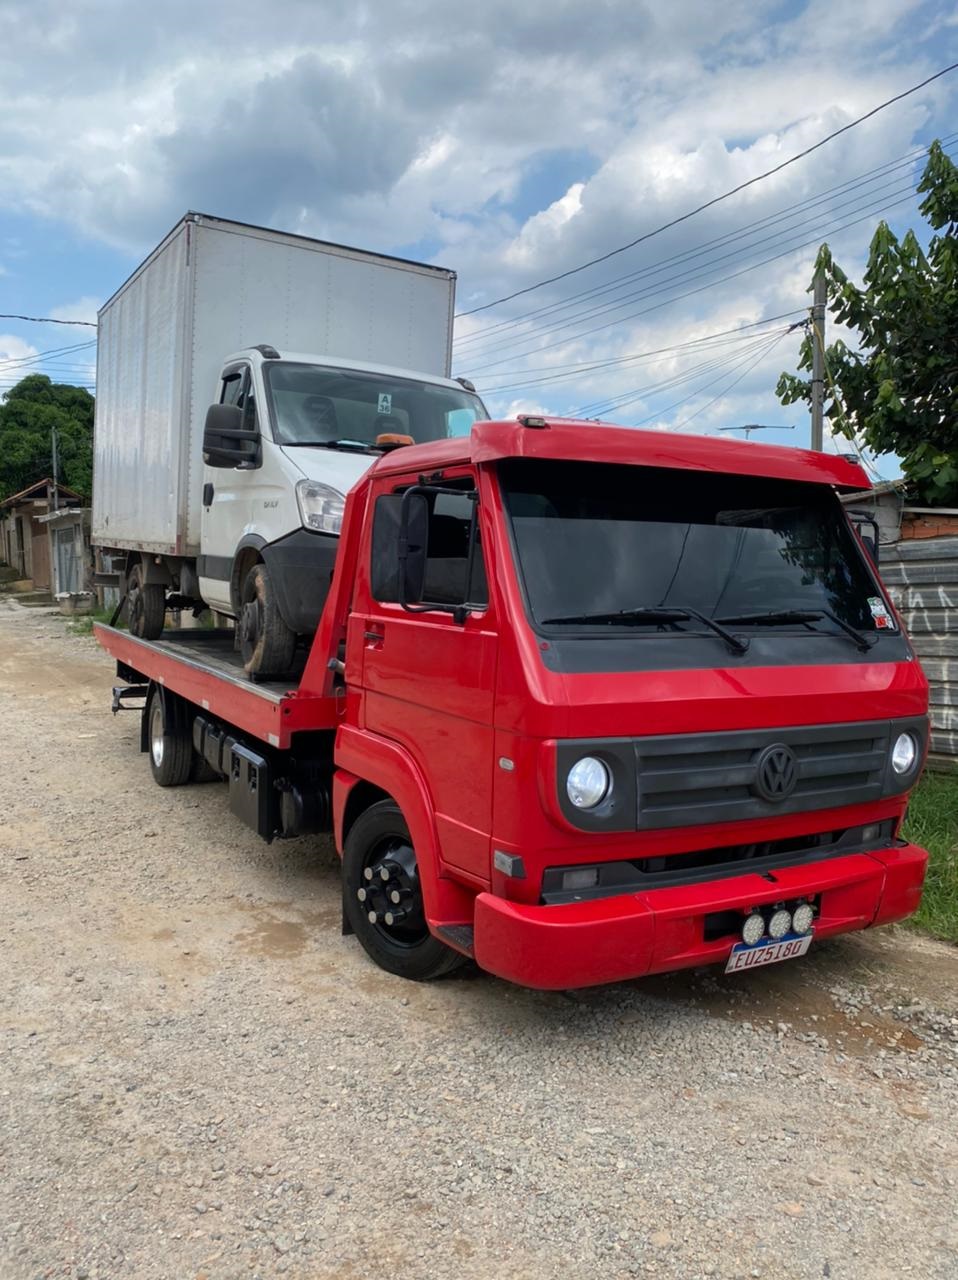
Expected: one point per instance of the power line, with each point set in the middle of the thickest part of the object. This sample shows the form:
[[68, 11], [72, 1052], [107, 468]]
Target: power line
[[822, 228], [725, 390], [17, 361], [90, 324], [790, 212], [560, 373], [742, 186], [722, 363], [794, 248]]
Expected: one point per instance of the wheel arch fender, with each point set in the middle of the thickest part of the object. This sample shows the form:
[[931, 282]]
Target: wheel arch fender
[[248, 552], [384, 770], [153, 574]]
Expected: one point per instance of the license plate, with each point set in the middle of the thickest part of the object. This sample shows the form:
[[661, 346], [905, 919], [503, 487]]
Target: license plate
[[788, 948]]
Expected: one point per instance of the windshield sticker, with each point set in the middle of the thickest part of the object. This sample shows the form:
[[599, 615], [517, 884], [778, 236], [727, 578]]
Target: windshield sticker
[[882, 617], [385, 402]]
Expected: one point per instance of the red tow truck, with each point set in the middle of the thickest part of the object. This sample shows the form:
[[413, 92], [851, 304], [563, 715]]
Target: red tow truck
[[585, 703]]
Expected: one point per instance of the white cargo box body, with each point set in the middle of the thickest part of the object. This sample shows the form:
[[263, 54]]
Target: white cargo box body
[[212, 288]]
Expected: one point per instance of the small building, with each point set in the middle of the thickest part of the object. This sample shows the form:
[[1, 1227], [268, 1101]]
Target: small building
[[70, 557], [24, 539]]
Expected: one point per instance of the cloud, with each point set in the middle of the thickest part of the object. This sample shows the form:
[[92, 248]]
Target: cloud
[[83, 311], [407, 126]]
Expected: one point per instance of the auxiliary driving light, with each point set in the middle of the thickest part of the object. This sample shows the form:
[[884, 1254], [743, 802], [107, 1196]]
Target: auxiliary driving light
[[580, 878], [588, 783], [753, 930], [904, 753], [802, 918], [780, 923]]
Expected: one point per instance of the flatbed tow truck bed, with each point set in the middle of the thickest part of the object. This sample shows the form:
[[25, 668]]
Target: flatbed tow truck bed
[[203, 667]]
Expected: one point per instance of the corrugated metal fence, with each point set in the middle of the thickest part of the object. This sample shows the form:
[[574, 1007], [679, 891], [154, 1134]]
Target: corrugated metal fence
[[922, 576]]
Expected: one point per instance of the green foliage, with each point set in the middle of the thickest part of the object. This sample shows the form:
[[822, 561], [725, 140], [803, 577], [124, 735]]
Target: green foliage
[[899, 392], [27, 414], [933, 823]]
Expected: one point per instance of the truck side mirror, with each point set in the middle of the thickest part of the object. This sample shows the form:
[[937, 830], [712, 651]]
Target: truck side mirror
[[413, 540], [862, 520], [226, 441]]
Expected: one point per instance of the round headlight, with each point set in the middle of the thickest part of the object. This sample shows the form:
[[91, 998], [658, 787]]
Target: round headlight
[[803, 917], [588, 783], [753, 930], [904, 753], [780, 923]]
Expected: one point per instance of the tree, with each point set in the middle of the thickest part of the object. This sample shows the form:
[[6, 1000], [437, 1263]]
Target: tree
[[28, 413], [898, 393]]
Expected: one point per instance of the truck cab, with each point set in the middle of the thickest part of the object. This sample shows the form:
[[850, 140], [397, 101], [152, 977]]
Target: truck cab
[[634, 694], [288, 437]]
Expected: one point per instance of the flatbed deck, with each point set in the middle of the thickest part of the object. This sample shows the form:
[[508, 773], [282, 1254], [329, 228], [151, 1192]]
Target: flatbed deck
[[203, 667]]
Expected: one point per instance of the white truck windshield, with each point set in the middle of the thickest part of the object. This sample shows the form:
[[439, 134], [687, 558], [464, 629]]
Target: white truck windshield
[[320, 405]]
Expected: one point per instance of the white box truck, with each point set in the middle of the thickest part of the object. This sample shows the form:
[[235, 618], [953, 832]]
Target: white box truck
[[246, 378]]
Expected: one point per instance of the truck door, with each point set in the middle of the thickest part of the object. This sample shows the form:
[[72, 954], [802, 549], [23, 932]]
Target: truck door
[[233, 498], [428, 677]]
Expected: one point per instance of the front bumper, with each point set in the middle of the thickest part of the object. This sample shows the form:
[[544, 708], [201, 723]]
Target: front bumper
[[610, 939]]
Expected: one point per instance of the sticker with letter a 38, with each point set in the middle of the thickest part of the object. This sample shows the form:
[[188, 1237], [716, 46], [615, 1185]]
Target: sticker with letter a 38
[[883, 619]]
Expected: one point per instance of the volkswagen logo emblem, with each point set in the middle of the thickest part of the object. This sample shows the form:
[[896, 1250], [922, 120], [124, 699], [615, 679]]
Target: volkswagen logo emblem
[[776, 772]]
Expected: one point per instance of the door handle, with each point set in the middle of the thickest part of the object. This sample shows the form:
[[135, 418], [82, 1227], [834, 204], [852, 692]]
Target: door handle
[[208, 494], [374, 634]]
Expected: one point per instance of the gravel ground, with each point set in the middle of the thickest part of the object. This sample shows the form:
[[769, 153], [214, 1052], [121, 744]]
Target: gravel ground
[[202, 1078]]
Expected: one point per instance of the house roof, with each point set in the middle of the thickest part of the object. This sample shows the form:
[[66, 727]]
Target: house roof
[[34, 490]]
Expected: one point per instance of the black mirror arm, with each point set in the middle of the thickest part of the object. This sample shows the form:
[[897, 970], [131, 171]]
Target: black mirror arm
[[459, 611]]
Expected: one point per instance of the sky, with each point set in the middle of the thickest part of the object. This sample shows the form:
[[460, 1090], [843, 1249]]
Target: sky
[[510, 142]]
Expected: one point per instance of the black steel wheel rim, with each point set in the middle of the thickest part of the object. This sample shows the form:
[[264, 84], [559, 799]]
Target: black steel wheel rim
[[389, 893]]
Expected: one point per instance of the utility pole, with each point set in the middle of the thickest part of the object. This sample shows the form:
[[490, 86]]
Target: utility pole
[[749, 427], [818, 360], [53, 450]]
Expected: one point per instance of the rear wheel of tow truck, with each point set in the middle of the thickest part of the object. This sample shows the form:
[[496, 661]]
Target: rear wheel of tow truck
[[266, 642], [168, 740], [145, 605], [383, 901]]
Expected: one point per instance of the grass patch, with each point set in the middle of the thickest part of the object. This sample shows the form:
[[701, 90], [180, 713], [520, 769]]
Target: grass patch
[[933, 823], [82, 624]]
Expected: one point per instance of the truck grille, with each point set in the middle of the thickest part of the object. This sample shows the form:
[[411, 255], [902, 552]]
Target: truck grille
[[726, 777]]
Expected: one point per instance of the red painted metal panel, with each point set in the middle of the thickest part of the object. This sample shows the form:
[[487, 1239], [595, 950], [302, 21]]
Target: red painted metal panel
[[257, 711], [604, 442], [584, 944]]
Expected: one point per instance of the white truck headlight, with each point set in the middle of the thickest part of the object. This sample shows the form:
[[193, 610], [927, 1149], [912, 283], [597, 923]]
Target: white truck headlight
[[588, 783], [904, 753], [321, 507]]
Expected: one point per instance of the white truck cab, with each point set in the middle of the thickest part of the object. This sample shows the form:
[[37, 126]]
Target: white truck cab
[[287, 438]]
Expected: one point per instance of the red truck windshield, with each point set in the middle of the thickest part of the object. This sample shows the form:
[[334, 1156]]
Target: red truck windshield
[[318, 405], [612, 549]]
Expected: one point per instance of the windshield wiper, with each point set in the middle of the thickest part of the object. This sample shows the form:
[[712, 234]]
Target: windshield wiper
[[352, 446], [657, 614], [776, 617]]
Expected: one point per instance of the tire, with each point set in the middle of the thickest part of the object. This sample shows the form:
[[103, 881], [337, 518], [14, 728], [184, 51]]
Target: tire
[[168, 742], [407, 948], [266, 642], [145, 605]]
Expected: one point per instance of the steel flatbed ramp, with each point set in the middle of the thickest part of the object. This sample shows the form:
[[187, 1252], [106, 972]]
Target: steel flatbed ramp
[[203, 667]]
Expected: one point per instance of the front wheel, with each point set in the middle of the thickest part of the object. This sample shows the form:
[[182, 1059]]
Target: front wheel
[[266, 642], [382, 897]]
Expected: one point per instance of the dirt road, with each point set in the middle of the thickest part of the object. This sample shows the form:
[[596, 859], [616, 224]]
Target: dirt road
[[201, 1078]]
